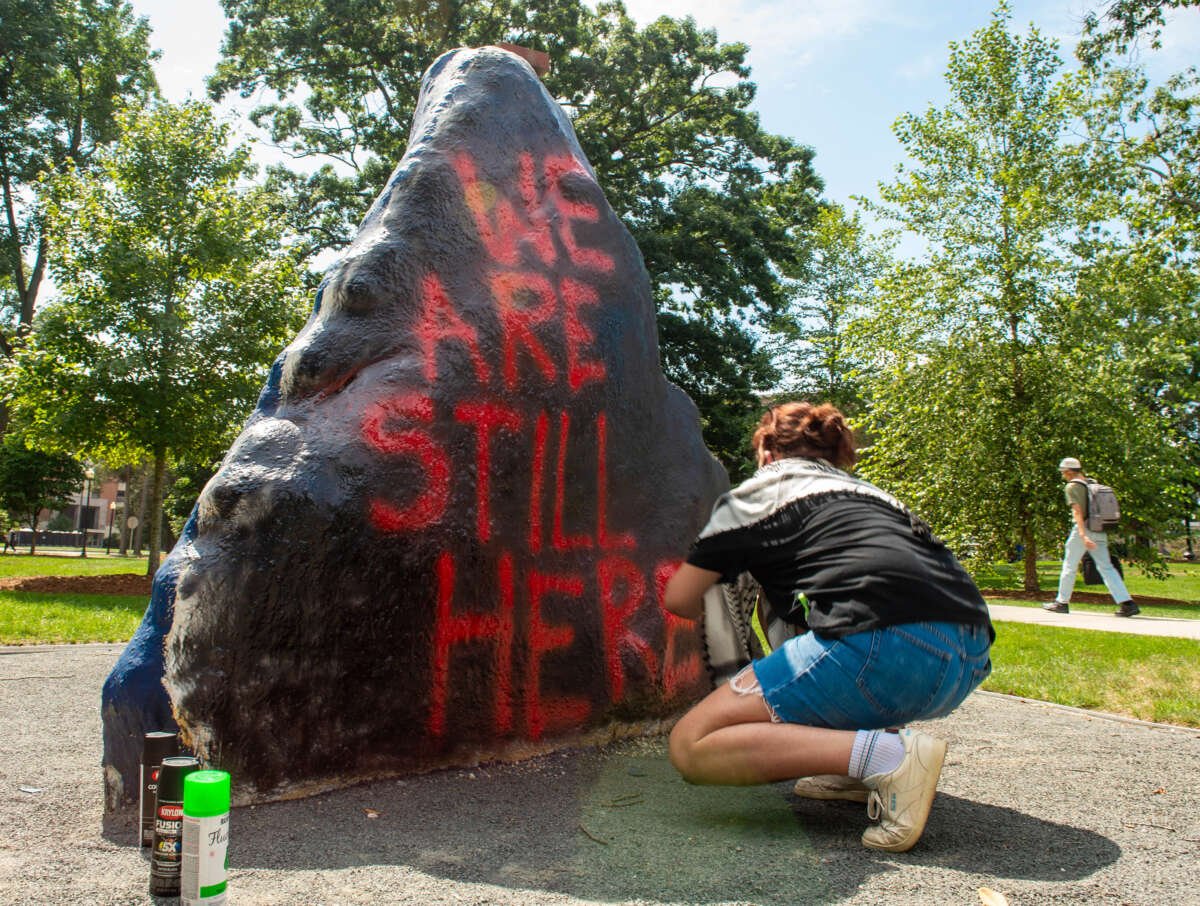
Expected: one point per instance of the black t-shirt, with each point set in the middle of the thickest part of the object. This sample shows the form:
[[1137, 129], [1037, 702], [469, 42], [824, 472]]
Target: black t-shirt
[[845, 562]]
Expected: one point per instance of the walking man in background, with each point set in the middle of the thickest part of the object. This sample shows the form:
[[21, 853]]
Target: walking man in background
[[1083, 539]]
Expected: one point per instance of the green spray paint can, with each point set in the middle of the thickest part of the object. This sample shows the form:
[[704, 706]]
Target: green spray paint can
[[205, 838]]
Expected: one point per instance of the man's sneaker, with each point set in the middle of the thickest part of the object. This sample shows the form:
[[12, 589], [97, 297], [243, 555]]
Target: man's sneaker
[[831, 786], [1056, 607], [1127, 609], [901, 799]]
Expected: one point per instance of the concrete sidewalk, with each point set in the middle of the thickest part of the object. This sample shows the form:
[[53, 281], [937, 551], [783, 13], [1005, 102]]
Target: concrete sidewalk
[[1142, 624]]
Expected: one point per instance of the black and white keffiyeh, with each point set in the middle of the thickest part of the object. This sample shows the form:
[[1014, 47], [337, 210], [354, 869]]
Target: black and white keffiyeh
[[784, 482]]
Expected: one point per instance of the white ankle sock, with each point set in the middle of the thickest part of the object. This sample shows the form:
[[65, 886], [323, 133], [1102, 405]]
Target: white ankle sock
[[875, 752]]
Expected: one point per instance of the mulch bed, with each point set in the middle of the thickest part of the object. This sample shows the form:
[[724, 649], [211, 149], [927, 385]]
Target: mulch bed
[[119, 584], [1085, 597]]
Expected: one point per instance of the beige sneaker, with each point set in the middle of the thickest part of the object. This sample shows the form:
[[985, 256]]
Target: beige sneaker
[[900, 800], [831, 786]]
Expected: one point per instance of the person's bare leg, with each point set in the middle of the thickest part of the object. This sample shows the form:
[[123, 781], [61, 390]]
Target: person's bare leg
[[730, 739]]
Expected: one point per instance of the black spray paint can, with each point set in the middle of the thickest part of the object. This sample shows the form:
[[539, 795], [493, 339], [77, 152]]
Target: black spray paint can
[[166, 850], [155, 747]]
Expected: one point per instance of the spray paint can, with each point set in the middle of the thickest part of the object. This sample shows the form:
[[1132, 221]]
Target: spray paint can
[[155, 747], [168, 825], [205, 838]]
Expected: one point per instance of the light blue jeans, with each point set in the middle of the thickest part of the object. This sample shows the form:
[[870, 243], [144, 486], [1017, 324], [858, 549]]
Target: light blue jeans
[[1074, 552], [872, 679]]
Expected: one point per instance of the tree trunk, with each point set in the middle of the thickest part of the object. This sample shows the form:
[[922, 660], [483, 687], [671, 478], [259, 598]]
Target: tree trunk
[[156, 514], [1031, 576], [33, 534], [143, 494], [123, 529]]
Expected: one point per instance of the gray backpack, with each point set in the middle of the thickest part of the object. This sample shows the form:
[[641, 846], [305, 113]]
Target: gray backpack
[[1103, 512]]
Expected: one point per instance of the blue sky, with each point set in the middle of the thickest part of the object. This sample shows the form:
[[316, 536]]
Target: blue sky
[[833, 74]]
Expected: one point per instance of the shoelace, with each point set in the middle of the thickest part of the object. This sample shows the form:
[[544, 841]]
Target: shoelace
[[874, 805]]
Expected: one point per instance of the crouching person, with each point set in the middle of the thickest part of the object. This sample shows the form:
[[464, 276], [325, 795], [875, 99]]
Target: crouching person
[[898, 633]]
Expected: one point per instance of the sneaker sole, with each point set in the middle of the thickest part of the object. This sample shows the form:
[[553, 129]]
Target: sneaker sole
[[927, 795], [859, 796]]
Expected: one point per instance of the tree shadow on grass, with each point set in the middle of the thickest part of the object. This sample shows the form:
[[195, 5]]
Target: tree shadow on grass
[[621, 825]]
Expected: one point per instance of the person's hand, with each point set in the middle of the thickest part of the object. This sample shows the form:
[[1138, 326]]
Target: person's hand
[[1089, 543]]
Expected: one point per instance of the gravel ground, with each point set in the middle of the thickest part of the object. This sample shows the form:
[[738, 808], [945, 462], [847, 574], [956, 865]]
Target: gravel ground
[[1043, 804]]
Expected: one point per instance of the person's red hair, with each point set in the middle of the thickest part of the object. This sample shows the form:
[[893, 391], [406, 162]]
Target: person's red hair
[[802, 429]]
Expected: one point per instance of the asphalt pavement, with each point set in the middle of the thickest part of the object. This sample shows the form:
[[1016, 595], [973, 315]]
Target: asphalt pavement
[[1041, 803]]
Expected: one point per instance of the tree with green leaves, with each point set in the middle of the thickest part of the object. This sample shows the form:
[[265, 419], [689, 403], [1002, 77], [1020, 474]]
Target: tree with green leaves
[[1143, 271], [66, 66], [1117, 24], [34, 480], [719, 207], [810, 342], [991, 362], [723, 367], [177, 292]]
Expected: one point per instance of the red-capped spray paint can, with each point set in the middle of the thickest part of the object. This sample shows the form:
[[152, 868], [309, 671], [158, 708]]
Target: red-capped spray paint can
[[155, 747], [167, 848]]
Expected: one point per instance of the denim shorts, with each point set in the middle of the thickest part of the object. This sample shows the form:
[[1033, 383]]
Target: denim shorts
[[873, 679]]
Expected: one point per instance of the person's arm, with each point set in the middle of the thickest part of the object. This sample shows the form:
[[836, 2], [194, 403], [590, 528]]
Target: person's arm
[[1081, 526], [684, 594]]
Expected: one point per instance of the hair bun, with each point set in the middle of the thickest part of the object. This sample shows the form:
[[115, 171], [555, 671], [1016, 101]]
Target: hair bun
[[802, 429]]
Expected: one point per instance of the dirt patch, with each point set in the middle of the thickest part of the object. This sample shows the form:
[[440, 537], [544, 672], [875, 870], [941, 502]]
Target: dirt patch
[[119, 584], [1087, 597]]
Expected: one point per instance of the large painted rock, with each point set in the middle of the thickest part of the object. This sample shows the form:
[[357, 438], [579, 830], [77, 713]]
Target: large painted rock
[[443, 534]]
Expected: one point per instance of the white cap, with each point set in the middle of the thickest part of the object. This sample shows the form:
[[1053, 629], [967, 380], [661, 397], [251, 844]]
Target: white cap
[[1070, 463]]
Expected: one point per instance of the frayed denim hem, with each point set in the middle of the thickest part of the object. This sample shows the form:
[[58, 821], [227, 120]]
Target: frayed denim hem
[[753, 687]]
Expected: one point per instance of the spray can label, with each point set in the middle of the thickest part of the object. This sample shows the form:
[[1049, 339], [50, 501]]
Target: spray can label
[[156, 745], [205, 851], [164, 856], [168, 826], [149, 787]]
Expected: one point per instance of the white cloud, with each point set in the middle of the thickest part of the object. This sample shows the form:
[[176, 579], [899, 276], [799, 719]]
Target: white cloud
[[189, 36], [1181, 38], [791, 31]]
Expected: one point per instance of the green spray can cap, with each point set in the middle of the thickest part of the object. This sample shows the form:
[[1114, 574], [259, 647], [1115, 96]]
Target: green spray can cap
[[206, 793]]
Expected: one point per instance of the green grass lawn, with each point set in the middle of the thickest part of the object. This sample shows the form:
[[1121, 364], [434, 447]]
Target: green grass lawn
[[1183, 582], [28, 618], [1146, 677], [51, 565]]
